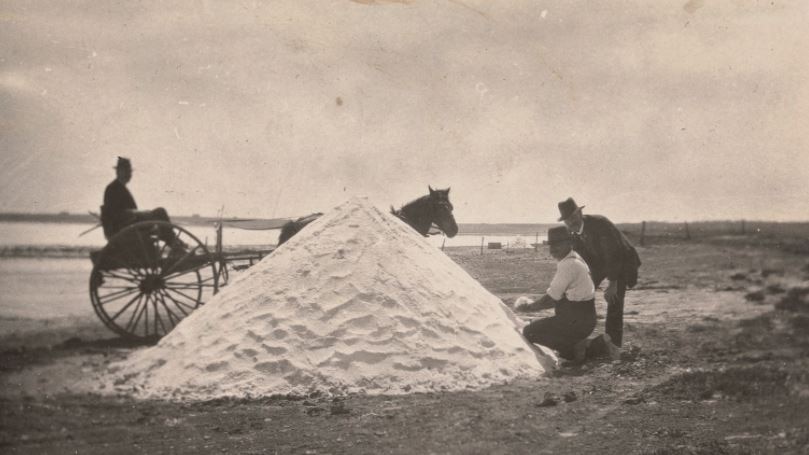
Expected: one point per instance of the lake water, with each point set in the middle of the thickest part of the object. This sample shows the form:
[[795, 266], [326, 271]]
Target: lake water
[[40, 288], [67, 234], [37, 288]]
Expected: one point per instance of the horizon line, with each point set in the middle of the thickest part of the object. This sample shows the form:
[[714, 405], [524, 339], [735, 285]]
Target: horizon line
[[203, 218]]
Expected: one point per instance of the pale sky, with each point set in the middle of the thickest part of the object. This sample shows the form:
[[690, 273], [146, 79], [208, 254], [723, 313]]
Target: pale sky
[[641, 110]]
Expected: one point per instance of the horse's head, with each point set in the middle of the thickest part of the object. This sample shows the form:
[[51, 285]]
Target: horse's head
[[442, 211]]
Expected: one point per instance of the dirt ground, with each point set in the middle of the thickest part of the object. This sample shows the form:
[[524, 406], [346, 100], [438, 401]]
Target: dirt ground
[[715, 360]]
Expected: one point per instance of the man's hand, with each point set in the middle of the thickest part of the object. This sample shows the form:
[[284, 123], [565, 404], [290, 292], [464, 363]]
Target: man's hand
[[522, 303], [525, 304], [611, 293]]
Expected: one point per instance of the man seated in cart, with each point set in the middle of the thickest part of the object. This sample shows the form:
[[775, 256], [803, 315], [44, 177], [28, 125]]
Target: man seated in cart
[[119, 209]]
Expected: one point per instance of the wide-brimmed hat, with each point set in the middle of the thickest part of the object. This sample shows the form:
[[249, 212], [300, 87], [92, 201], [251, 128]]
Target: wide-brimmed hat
[[558, 234], [568, 207], [123, 163]]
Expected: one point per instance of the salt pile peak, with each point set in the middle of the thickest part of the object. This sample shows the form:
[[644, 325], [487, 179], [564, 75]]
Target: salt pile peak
[[357, 302]]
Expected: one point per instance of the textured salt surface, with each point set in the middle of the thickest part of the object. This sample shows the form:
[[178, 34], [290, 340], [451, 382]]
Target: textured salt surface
[[355, 303]]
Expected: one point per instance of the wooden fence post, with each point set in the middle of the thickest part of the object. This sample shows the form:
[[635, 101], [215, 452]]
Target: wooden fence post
[[481, 246], [220, 263], [743, 228], [687, 232], [642, 233], [536, 242]]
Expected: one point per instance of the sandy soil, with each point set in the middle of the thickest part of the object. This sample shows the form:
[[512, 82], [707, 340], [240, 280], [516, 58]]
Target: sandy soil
[[715, 361]]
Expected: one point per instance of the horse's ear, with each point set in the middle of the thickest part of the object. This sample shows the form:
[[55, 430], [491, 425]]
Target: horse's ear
[[431, 189], [448, 189]]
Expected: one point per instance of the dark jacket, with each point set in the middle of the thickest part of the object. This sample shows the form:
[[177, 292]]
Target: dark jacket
[[117, 202], [607, 251]]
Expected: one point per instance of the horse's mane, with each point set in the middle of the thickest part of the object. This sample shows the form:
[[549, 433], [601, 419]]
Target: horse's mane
[[398, 212], [414, 214]]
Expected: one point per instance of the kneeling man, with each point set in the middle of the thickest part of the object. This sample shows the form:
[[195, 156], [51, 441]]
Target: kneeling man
[[572, 295]]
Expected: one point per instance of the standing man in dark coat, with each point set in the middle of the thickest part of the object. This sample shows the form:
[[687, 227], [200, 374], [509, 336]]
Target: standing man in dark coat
[[610, 255], [119, 209]]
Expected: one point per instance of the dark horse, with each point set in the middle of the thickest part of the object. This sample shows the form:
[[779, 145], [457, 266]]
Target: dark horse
[[420, 214]]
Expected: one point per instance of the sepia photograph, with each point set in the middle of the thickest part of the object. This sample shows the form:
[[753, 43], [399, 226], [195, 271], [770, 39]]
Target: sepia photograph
[[404, 227]]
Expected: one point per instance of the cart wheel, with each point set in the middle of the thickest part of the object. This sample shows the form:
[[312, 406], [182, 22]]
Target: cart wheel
[[149, 277]]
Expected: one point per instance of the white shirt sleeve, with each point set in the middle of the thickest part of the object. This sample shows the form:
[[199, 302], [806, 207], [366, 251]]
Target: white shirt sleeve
[[561, 281]]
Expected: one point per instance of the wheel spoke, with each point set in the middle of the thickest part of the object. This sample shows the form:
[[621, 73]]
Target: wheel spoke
[[158, 319], [131, 279], [170, 314], [188, 285], [165, 294], [137, 312], [177, 283], [193, 287], [181, 295], [183, 259], [146, 317], [113, 296], [196, 268], [141, 313], [179, 304], [137, 297]]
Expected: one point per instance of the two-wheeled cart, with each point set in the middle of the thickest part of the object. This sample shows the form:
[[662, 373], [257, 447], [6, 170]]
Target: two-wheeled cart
[[153, 274]]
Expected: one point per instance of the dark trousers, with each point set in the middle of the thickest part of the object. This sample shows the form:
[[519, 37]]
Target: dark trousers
[[159, 214], [571, 323], [614, 325]]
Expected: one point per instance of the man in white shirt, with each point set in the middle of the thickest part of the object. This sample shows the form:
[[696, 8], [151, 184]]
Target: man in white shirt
[[572, 295]]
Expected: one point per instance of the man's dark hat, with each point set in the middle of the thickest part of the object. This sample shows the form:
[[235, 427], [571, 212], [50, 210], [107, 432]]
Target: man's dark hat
[[568, 207], [558, 234], [123, 163]]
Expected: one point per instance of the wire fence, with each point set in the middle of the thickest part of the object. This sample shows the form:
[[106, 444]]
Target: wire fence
[[794, 235], [790, 236]]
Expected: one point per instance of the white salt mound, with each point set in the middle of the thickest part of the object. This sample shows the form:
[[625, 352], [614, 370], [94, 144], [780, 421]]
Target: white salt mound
[[357, 302]]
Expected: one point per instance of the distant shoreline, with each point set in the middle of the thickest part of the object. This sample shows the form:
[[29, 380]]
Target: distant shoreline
[[82, 251], [79, 218], [46, 251], [652, 228], [76, 218]]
